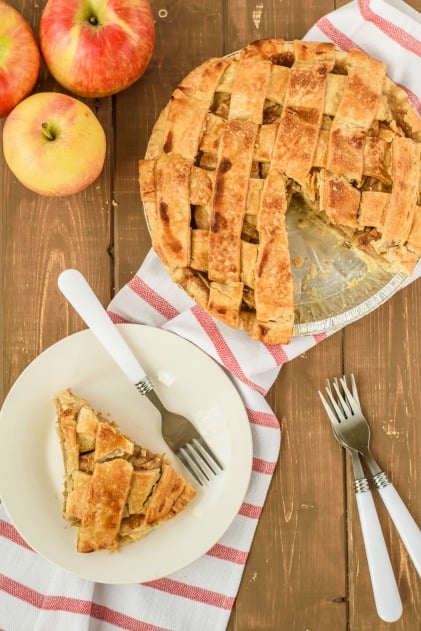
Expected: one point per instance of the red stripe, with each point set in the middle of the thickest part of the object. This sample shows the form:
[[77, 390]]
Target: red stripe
[[335, 34], [265, 419], [73, 605], [198, 594], [117, 318], [228, 554], [319, 337], [150, 296], [8, 531], [224, 352], [41, 601], [341, 40], [250, 510], [278, 353], [263, 466], [122, 620], [404, 39]]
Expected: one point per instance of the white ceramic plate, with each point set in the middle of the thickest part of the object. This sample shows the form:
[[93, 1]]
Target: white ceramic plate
[[31, 468]]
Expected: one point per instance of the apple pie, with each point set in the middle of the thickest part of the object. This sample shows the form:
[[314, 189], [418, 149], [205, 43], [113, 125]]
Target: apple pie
[[241, 136], [115, 491]]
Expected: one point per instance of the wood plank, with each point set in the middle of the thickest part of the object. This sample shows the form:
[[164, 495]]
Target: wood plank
[[291, 580], [295, 576], [282, 611], [250, 20], [138, 107], [386, 365], [41, 236]]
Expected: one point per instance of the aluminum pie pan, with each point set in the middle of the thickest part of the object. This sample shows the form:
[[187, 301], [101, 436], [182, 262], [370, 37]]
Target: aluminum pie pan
[[334, 284]]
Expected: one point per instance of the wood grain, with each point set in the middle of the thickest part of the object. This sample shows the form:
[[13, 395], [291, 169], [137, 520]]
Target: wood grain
[[388, 372], [306, 502], [136, 109], [307, 568]]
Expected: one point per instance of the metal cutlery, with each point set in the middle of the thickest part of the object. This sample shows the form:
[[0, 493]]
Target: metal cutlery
[[178, 432], [386, 595], [356, 433]]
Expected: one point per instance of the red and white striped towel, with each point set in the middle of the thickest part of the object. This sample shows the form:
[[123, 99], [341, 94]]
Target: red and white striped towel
[[389, 30], [38, 596]]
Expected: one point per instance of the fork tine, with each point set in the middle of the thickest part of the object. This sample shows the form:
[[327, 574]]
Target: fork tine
[[191, 466], [331, 414], [343, 400], [353, 403], [329, 388], [354, 390], [340, 415], [207, 456], [195, 463]]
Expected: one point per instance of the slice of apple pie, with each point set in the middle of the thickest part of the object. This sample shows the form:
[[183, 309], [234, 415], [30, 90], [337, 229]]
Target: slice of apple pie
[[115, 491]]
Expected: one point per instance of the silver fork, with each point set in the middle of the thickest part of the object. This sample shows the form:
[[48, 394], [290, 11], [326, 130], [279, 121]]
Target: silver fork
[[386, 595], [356, 433], [178, 432]]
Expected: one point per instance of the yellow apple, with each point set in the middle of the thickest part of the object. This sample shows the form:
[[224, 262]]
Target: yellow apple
[[54, 144]]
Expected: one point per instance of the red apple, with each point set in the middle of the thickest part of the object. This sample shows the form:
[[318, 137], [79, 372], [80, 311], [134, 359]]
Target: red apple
[[20, 58], [94, 49], [54, 144]]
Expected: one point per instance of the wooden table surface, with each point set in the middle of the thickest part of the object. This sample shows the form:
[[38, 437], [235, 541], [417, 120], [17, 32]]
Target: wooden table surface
[[307, 569]]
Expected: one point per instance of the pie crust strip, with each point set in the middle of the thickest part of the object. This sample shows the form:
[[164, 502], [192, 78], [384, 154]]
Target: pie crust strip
[[244, 104], [399, 214], [355, 115], [188, 108], [298, 132], [172, 180], [229, 199], [106, 497], [273, 289]]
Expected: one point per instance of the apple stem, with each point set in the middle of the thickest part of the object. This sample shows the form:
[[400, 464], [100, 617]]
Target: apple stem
[[93, 20], [48, 132]]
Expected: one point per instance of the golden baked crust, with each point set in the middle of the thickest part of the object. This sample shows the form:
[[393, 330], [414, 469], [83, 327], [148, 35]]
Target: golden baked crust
[[117, 491], [104, 503], [241, 136]]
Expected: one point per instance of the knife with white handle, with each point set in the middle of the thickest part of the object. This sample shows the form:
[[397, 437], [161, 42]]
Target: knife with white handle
[[79, 293]]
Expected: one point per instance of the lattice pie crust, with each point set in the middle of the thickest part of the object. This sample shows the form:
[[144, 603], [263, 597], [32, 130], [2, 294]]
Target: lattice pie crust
[[115, 491], [241, 136]]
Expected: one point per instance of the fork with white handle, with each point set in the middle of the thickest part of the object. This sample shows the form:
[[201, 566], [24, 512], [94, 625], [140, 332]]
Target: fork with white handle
[[356, 433], [386, 595], [178, 432]]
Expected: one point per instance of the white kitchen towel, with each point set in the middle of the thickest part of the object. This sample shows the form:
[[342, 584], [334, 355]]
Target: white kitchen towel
[[389, 30], [38, 596]]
